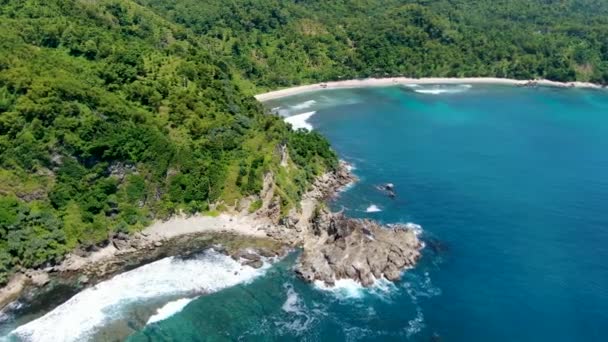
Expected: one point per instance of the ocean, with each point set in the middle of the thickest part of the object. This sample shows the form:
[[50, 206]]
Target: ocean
[[509, 184]]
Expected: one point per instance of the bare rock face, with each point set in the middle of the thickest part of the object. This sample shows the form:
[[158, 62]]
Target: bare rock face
[[329, 184], [344, 248]]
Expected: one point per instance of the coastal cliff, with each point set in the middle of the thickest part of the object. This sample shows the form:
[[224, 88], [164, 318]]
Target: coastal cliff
[[333, 246], [336, 247], [362, 250]]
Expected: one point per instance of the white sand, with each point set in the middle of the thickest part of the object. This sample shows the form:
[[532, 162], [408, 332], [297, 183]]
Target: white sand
[[382, 82], [180, 225]]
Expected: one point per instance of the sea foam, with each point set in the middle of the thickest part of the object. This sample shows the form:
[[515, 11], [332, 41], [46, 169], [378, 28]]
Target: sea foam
[[350, 289], [292, 303], [300, 121], [77, 319], [169, 310], [298, 317], [304, 105], [373, 209], [343, 288], [439, 89]]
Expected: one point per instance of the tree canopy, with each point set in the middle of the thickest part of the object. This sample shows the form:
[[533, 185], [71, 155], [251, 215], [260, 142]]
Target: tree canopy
[[112, 116], [114, 113], [280, 43]]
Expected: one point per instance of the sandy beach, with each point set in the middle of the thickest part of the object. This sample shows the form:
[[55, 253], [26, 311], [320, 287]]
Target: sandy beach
[[247, 225], [383, 82]]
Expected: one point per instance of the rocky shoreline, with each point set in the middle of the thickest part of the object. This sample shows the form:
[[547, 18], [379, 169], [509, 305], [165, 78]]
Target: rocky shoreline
[[336, 247], [333, 246], [361, 250]]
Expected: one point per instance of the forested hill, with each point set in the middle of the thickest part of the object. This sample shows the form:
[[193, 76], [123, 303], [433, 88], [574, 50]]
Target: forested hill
[[114, 113], [280, 43], [112, 116]]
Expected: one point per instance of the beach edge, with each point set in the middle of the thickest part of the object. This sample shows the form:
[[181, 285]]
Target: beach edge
[[391, 81]]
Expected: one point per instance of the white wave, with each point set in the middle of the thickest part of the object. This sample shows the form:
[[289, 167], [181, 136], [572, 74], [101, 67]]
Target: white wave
[[416, 324], [343, 288], [350, 167], [169, 310], [292, 303], [350, 289], [439, 89], [346, 188], [298, 318], [304, 105], [373, 209], [416, 228], [283, 112], [77, 318], [5, 312], [300, 121]]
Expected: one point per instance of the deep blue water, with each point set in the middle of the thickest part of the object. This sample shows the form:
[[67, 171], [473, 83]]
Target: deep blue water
[[511, 188]]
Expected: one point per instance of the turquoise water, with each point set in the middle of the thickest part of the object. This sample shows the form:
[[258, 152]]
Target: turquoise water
[[511, 188]]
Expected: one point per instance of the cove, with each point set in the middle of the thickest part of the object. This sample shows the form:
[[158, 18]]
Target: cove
[[511, 188]]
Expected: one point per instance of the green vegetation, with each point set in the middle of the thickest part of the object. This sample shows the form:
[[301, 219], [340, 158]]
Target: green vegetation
[[280, 43], [114, 113], [111, 116], [255, 205]]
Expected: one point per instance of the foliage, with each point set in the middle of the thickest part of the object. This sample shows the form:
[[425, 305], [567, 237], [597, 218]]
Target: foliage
[[114, 113], [112, 116], [280, 43], [255, 205]]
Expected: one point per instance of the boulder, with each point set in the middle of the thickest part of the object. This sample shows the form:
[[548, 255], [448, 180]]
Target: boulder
[[362, 250], [39, 278], [254, 263]]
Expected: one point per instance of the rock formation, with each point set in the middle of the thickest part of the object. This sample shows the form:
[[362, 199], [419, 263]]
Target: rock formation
[[336, 247], [342, 248]]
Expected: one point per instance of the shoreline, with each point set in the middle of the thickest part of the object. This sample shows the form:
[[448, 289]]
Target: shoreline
[[360, 249], [160, 237], [389, 81], [157, 238]]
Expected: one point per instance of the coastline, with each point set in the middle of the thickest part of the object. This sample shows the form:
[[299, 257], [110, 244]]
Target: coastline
[[388, 81], [253, 231]]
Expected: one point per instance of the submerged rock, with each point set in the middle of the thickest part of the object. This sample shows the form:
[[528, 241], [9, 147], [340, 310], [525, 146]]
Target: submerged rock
[[363, 250], [388, 189], [254, 263]]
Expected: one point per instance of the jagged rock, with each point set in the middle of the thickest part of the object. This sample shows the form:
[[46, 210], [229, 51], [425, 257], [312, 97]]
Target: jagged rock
[[254, 263], [362, 250], [249, 256], [83, 279], [120, 244], [38, 278], [388, 189], [266, 253], [121, 236]]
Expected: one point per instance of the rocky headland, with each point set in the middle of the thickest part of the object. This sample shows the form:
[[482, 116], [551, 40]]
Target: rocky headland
[[333, 246], [363, 250], [336, 247]]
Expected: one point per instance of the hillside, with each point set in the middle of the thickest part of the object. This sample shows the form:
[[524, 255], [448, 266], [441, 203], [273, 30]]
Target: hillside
[[281, 43], [114, 113], [111, 117]]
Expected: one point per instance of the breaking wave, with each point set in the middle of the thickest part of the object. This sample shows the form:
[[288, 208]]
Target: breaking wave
[[373, 209], [300, 121], [442, 89], [350, 289], [169, 310], [298, 316], [79, 317], [304, 105]]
